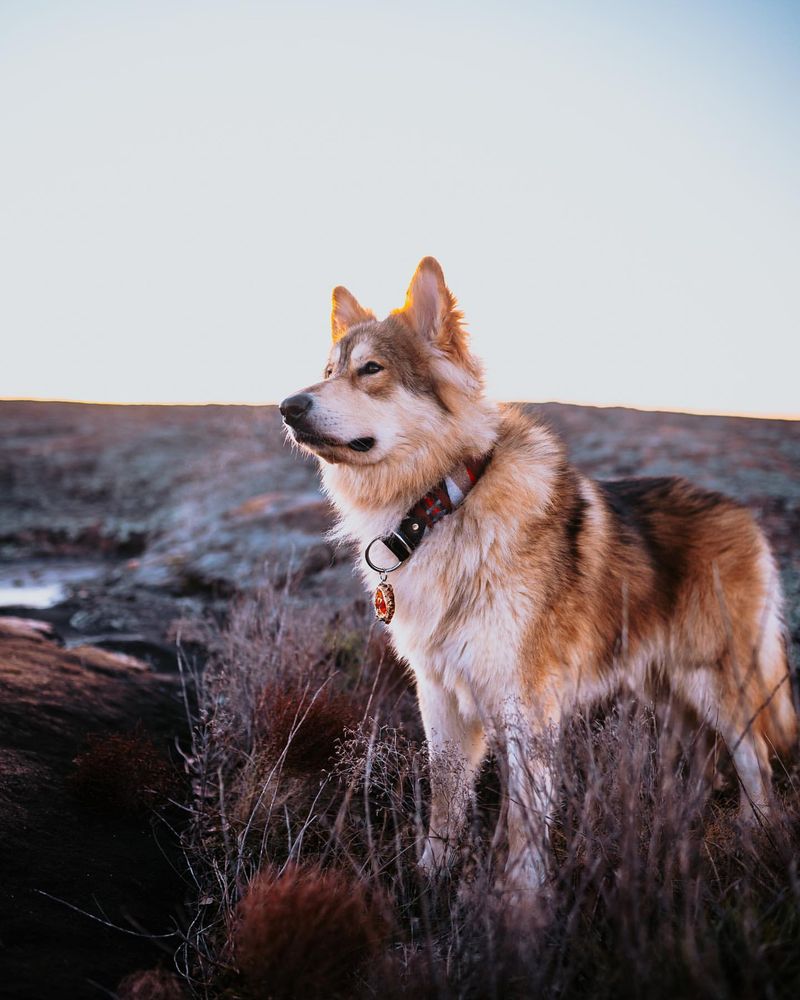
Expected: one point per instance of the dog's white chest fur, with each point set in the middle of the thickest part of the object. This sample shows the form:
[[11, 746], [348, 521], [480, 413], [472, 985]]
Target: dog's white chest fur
[[462, 601], [452, 619], [454, 623]]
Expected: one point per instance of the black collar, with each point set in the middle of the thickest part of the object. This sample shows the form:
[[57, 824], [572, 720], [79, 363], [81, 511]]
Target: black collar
[[443, 499]]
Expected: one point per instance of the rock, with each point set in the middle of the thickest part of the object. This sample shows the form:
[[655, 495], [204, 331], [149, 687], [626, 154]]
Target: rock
[[25, 628], [108, 660], [57, 853]]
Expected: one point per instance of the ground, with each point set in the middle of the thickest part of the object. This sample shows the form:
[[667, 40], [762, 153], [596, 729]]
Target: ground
[[122, 526]]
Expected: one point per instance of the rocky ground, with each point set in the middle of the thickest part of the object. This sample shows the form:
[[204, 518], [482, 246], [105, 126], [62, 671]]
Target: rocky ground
[[62, 851], [120, 524]]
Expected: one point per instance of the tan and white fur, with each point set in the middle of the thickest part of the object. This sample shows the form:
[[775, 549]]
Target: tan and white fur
[[545, 589]]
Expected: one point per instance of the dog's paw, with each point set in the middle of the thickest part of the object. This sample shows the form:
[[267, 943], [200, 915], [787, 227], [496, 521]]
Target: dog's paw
[[434, 864], [753, 816], [524, 875], [524, 890]]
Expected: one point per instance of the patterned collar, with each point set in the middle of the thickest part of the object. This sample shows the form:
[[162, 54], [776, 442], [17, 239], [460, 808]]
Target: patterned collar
[[443, 499]]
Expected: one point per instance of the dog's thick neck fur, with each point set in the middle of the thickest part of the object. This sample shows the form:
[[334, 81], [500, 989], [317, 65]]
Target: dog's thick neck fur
[[371, 499]]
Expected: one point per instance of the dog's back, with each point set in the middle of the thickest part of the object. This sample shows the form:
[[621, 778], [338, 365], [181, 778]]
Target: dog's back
[[700, 575]]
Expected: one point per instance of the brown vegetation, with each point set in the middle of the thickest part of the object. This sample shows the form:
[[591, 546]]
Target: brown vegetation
[[305, 931], [656, 890], [151, 984], [301, 729]]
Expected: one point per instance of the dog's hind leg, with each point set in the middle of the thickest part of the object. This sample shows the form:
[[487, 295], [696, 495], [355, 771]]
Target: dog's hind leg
[[456, 744], [732, 713], [751, 759]]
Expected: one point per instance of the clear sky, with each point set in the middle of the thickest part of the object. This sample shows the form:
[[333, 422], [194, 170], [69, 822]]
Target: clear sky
[[613, 190]]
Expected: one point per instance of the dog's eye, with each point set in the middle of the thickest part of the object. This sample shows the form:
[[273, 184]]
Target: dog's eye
[[370, 368], [328, 372]]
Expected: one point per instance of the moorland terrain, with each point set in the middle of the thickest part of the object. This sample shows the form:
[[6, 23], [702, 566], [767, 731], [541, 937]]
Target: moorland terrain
[[127, 535]]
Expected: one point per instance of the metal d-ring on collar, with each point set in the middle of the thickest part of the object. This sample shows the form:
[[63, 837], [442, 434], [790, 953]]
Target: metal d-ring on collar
[[398, 564], [443, 499]]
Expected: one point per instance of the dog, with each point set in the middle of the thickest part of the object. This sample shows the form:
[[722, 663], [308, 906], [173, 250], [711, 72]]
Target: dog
[[516, 588]]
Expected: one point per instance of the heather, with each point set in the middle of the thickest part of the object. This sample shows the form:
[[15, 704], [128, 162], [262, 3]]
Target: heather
[[310, 794]]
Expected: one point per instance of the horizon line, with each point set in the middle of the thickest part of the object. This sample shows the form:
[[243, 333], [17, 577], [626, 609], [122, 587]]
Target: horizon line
[[788, 417]]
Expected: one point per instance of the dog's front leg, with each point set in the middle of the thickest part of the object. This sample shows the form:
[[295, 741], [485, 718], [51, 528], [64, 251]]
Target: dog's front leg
[[530, 800], [530, 790], [456, 744]]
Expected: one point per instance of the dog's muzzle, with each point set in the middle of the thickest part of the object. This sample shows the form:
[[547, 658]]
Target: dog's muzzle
[[295, 412]]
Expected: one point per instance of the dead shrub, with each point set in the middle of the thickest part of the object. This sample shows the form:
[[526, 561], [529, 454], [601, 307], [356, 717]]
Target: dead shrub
[[300, 728], [306, 932], [123, 773], [151, 984]]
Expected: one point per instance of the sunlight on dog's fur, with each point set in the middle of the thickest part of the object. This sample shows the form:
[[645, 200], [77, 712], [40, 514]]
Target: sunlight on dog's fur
[[545, 589]]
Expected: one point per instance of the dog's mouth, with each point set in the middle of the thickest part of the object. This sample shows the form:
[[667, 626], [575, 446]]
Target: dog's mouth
[[361, 444], [317, 441]]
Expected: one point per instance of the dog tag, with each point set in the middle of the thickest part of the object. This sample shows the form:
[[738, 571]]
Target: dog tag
[[384, 602]]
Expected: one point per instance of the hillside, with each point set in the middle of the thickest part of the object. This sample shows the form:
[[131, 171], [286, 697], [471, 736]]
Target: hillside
[[119, 525]]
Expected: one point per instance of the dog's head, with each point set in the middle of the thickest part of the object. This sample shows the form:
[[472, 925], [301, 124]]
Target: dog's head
[[391, 387]]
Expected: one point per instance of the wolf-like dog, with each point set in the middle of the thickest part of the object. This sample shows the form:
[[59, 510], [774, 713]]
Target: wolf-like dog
[[518, 589]]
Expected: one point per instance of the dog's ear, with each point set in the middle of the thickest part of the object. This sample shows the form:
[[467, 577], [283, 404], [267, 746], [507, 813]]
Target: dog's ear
[[430, 307], [346, 311]]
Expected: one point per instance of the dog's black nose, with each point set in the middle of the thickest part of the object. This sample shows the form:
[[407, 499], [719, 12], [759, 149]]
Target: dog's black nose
[[295, 408]]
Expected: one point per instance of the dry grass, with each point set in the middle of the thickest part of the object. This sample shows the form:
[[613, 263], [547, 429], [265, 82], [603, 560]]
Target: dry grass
[[309, 801]]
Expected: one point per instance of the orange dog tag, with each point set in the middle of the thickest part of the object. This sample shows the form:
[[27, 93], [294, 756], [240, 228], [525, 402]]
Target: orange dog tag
[[384, 602]]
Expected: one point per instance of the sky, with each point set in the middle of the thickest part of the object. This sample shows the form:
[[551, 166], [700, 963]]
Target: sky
[[613, 191]]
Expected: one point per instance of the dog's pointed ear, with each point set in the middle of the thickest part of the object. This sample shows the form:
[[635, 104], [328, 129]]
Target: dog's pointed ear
[[431, 309], [346, 311]]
